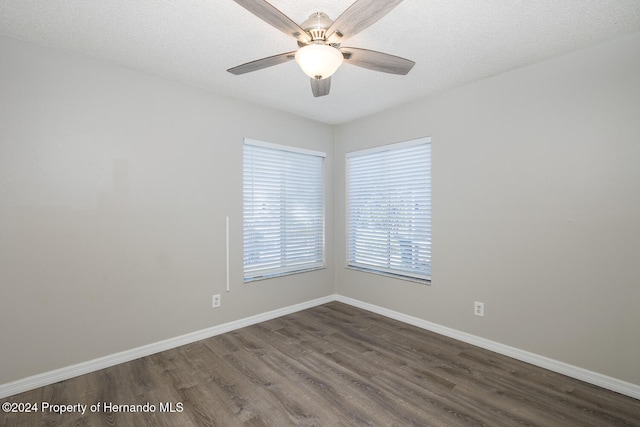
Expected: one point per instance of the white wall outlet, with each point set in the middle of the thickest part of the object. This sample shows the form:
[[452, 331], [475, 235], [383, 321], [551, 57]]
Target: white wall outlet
[[478, 308], [216, 301]]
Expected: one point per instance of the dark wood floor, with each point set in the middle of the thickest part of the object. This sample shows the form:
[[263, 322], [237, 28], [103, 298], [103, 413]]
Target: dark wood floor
[[333, 365]]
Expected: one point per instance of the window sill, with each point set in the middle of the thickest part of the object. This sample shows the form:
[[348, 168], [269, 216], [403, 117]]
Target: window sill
[[276, 275], [392, 275]]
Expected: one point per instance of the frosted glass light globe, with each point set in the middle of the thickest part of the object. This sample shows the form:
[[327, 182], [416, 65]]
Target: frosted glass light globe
[[319, 61]]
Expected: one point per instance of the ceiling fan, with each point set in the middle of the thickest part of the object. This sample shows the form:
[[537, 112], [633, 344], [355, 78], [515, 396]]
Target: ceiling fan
[[319, 38]]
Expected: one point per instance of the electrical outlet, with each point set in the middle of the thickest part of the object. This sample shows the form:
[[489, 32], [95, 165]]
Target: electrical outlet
[[478, 308], [216, 301]]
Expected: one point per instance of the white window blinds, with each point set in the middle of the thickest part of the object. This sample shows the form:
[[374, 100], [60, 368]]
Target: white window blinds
[[389, 209], [283, 215]]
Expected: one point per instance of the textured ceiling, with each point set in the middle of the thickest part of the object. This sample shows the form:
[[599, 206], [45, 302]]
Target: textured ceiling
[[453, 42]]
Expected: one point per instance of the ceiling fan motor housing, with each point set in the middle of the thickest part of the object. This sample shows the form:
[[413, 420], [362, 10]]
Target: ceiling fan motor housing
[[317, 26]]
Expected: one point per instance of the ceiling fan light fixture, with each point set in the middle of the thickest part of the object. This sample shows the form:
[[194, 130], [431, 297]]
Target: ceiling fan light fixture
[[319, 61]]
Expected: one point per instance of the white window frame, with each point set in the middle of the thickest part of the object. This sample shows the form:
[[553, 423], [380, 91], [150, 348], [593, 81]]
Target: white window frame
[[390, 238], [291, 241]]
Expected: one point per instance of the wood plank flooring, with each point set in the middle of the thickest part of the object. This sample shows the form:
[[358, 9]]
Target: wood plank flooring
[[332, 365]]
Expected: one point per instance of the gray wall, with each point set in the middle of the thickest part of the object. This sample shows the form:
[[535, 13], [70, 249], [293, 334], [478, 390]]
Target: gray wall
[[536, 208], [114, 188]]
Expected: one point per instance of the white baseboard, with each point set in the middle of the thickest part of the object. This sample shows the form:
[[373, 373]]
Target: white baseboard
[[604, 381], [51, 377], [47, 378]]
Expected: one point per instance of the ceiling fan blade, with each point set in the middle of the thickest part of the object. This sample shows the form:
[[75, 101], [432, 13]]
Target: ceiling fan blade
[[259, 64], [269, 14], [376, 61], [320, 87], [357, 17]]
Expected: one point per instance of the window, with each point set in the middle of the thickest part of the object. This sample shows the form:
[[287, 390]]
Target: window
[[389, 209], [283, 214]]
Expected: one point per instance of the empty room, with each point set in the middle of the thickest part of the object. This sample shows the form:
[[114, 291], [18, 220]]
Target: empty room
[[320, 213]]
